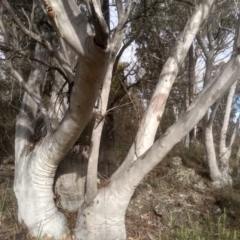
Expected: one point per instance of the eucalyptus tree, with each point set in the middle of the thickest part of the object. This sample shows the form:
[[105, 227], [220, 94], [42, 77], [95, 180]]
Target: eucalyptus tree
[[85, 52], [153, 46], [215, 41]]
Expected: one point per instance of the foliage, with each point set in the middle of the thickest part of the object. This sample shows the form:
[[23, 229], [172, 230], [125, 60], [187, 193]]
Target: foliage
[[160, 26], [194, 156]]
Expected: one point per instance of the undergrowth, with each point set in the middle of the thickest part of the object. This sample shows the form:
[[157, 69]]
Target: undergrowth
[[5, 204], [210, 229]]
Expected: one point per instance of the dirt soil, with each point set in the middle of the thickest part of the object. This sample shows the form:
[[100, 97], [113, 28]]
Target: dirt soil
[[170, 197]]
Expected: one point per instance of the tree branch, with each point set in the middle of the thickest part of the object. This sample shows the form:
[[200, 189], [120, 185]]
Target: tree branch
[[235, 133], [36, 37], [202, 45], [211, 41], [5, 47], [213, 114], [124, 47], [228, 108], [40, 40], [100, 25], [71, 24], [36, 98], [124, 17], [150, 121], [119, 8]]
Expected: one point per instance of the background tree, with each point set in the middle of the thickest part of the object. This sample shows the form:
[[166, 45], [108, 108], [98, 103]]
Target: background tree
[[214, 40]]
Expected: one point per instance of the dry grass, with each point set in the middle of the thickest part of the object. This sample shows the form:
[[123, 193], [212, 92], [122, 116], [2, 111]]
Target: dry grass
[[10, 229]]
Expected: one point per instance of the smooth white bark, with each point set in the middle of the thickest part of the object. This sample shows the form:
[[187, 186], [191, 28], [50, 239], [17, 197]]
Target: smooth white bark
[[224, 150], [104, 218], [33, 189], [224, 129], [68, 20]]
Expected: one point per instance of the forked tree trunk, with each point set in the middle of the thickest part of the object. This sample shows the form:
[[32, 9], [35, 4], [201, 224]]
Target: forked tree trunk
[[219, 172]]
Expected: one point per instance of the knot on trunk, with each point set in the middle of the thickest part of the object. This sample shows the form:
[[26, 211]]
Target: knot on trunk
[[49, 9]]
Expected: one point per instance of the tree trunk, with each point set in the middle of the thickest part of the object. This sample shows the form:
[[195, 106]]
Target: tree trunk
[[104, 218], [214, 171], [224, 150], [107, 160]]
